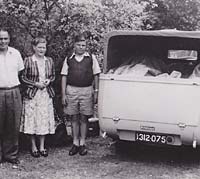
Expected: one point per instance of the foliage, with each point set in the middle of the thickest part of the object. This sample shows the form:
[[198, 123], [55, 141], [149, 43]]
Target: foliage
[[173, 14], [60, 20]]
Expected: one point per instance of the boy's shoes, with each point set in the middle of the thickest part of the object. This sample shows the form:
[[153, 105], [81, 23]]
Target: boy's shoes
[[82, 150], [74, 150]]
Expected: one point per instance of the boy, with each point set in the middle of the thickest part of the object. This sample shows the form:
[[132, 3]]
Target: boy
[[80, 78]]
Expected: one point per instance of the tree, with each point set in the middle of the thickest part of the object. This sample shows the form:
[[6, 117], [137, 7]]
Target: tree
[[170, 14]]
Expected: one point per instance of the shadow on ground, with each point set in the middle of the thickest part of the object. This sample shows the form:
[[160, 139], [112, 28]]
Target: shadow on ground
[[137, 152]]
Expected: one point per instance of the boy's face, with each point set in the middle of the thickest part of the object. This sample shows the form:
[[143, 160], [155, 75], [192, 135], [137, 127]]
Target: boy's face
[[80, 47]]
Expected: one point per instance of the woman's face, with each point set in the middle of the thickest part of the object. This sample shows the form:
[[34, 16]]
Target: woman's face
[[40, 49]]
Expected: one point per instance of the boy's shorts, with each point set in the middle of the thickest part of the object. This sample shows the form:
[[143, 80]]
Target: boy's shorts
[[79, 100]]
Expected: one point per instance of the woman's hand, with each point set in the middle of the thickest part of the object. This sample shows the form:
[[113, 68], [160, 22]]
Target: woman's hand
[[40, 85], [46, 82]]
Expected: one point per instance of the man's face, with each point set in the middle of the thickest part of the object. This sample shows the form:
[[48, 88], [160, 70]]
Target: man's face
[[4, 40], [80, 47]]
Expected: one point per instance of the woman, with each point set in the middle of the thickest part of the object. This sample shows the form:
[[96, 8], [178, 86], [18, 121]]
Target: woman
[[38, 116]]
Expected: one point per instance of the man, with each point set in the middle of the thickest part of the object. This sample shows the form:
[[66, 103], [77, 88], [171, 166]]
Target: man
[[80, 77], [11, 64]]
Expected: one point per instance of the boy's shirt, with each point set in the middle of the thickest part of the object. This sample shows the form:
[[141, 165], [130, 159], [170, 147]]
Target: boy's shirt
[[95, 67]]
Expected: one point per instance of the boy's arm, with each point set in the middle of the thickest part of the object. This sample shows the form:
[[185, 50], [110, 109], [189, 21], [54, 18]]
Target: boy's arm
[[96, 82], [96, 88], [63, 89], [64, 73], [96, 72]]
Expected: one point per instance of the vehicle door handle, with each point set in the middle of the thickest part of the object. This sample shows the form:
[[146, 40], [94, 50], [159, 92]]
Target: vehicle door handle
[[196, 84], [115, 119]]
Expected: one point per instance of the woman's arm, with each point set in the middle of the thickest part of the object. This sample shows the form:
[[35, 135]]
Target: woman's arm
[[24, 75]]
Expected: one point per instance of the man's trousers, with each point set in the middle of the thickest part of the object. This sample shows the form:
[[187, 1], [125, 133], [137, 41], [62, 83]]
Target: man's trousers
[[10, 114]]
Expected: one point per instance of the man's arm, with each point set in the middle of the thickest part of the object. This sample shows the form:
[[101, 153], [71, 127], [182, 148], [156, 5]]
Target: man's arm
[[20, 75]]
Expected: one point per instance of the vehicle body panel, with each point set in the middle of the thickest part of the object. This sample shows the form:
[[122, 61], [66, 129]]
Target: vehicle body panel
[[129, 104]]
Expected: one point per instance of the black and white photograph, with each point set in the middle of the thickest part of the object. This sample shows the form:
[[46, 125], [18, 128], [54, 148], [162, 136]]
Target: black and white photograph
[[99, 89]]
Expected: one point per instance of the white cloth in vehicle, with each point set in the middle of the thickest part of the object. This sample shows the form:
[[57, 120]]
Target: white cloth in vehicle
[[196, 72]]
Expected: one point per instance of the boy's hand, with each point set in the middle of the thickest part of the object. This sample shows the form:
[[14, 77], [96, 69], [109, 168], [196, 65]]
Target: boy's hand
[[64, 100], [95, 97]]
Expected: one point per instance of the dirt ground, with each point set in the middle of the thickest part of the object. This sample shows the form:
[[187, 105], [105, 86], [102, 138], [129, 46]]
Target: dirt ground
[[107, 160]]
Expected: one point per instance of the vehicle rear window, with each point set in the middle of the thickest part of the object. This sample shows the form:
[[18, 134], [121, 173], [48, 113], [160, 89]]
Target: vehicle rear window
[[182, 54]]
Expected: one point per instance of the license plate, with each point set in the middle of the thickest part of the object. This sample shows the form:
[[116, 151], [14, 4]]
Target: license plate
[[151, 138]]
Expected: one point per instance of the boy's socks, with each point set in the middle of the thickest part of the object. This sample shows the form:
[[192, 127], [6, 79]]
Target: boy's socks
[[82, 142], [76, 142]]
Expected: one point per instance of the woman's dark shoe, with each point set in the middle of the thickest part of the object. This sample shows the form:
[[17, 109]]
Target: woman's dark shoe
[[12, 161], [74, 150], [35, 154], [83, 150], [44, 153]]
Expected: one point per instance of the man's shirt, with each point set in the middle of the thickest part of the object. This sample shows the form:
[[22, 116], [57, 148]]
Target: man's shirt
[[10, 65]]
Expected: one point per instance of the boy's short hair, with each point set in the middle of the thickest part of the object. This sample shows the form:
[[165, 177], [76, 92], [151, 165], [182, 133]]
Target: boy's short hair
[[79, 38]]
